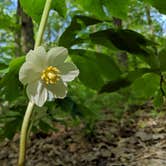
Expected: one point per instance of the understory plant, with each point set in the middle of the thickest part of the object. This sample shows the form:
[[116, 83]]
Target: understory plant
[[46, 75]]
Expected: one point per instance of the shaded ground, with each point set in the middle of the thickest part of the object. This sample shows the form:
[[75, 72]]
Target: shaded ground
[[139, 139]]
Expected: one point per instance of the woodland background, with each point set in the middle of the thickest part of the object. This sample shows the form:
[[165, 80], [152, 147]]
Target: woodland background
[[114, 113]]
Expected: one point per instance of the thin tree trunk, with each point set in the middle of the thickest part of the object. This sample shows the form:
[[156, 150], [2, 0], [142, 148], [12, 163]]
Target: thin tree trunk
[[27, 34], [24, 35], [18, 32]]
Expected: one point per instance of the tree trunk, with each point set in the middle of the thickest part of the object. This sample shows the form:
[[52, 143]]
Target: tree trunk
[[17, 35], [25, 35]]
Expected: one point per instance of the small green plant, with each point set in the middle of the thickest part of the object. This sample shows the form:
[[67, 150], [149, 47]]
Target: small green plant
[[45, 74]]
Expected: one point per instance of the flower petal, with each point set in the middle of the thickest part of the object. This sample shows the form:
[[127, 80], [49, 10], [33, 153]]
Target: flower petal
[[38, 57], [37, 93], [59, 89], [68, 71], [57, 56], [29, 73]]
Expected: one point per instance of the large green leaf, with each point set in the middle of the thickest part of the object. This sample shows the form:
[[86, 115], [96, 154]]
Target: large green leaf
[[60, 7], [89, 72], [108, 68], [123, 39], [146, 86], [95, 68], [104, 9], [34, 8], [158, 4], [125, 81], [127, 40], [118, 8]]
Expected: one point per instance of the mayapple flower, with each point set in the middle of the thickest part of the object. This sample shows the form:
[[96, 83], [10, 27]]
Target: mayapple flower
[[47, 73]]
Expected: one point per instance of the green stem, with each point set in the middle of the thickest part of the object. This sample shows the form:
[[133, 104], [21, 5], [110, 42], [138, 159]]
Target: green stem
[[43, 23], [28, 113], [23, 136]]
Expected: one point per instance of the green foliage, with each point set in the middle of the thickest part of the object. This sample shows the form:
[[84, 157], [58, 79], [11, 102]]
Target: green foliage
[[6, 22], [158, 99], [104, 9], [12, 91], [34, 8], [68, 38], [146, 86], [159, 5], [60, 7], [124, 81], [98, 68], [126, 39], [4, 61], [11, 119], [162, 57]]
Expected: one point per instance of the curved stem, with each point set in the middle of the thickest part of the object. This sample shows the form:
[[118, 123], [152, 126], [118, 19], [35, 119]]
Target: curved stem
[[23, 135], [28, 113]]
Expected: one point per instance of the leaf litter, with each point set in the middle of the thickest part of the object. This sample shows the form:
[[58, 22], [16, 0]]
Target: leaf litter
[[137, 139]]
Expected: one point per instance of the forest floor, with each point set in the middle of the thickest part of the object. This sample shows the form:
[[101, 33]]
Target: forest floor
[[138, 139]]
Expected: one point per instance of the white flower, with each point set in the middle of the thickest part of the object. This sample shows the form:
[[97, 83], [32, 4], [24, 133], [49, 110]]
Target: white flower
[[47, 73]]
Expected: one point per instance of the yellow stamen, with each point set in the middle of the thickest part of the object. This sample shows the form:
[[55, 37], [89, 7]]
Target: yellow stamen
[[50, 75]]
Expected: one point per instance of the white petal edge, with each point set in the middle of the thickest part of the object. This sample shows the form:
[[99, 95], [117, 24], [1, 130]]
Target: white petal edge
[[59, 90], [57, 56], [39, 51], [29, 73], [37, 93], [68, 71], [37, 57]]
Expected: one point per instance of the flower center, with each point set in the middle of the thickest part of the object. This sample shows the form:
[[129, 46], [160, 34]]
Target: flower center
[[50, 75]]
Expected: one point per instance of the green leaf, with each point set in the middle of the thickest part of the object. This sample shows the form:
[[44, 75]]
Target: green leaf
[[115, 85], [124, 81], [16, 63], [160, 5], [68, 38], [10, 82], [104, 9], [34, 8], [107, 67], [9, 114], [123, 39], [89, 72], [118, 9], [4, 60], [146, 86], [6, 22], [77, 110], [45, 126], [95, 68], [60, 7], [11, 127]]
